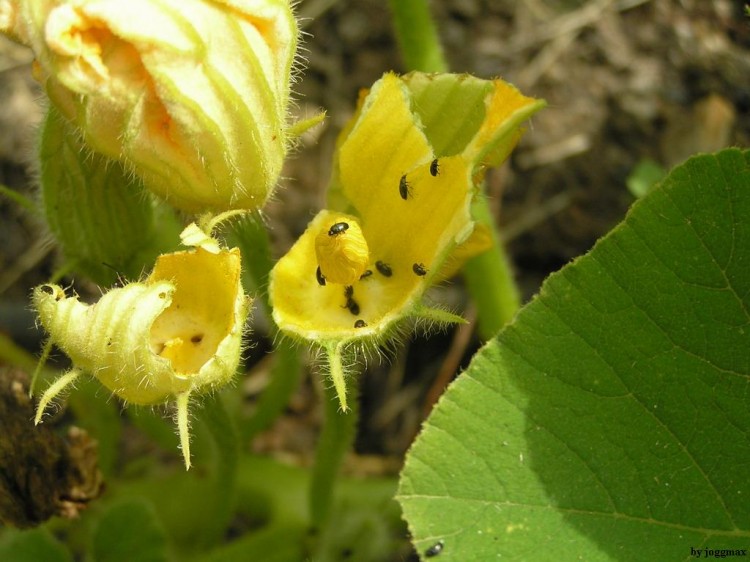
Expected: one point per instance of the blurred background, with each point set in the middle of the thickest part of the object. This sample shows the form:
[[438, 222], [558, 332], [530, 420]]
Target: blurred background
[[629, 83]]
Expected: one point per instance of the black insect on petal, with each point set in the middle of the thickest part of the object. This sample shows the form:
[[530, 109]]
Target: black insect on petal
[[360, 323], [366, 274], [383, 268], [404, 188], [353, 307], [419, 269], [338, 228], [434, 168], [51, 291], [351, 304], [434, 550], [320, 277]]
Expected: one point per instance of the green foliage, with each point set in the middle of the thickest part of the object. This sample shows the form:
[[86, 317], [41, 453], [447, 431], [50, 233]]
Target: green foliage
[[32, 546], [98, 417], [644, 176], [611, 420], [130, 531]]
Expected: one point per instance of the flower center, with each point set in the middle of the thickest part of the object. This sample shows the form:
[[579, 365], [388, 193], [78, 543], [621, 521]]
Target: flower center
[[342, 252]]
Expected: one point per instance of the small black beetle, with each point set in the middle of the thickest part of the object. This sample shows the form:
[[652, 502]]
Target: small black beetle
[[338, 228], [384, 268]]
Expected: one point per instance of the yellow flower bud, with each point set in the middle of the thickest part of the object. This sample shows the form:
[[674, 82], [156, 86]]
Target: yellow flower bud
[[179, 332], [342, 251], [193, 94]]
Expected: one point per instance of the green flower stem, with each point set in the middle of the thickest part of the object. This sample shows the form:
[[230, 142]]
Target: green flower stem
[[336, 438], [254, 243], [226, 439], [20, 200], [284, 380], [417, 36], [489, 278]]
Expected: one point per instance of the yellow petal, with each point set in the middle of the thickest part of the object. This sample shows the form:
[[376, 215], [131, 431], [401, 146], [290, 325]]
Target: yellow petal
[[384, 143], [407, 240], [202, 312], [413, 209], [501, 129], [480, 241], [109, 339]]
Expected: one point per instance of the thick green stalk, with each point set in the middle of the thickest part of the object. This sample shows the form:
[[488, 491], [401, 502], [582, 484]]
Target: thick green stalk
[[226, 440], [489, 279], [254, 242], [488, 276], [417, 36], [284, 380], [20, 200], [336, 438], [255, 245]]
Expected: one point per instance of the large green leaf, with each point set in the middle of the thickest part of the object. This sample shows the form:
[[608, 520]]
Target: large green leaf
[[611, 420]]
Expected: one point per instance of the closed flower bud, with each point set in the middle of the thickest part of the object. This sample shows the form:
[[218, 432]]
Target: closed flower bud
[[105, 223], [192, 94], [177, 333]]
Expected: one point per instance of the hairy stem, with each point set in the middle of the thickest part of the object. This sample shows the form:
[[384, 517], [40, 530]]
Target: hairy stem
[[226, 440], [490, 280], [335, 440], [254, 243], [252, 238], [283, 381], [417, 36]]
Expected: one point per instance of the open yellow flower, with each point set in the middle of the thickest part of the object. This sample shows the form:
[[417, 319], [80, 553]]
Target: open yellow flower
[[193, 94], [177, 333], [406, 170]]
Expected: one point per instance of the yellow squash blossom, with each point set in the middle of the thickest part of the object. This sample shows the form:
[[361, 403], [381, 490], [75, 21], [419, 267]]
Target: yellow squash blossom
[[192, 94], [406, 170], [175, 334]]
